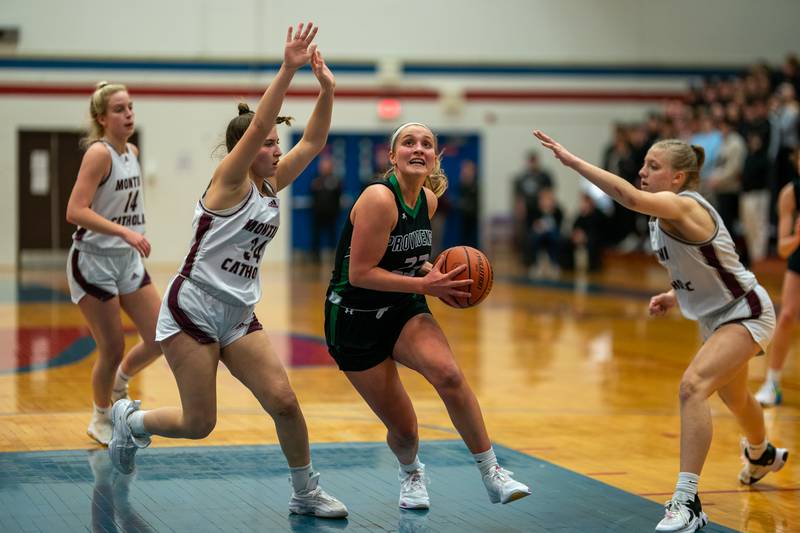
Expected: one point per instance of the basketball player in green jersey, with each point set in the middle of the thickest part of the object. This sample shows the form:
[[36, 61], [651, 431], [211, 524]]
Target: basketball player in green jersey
[[376, 314], [788, 247]]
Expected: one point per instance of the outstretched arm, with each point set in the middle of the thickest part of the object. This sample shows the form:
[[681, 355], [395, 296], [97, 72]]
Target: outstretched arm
[[316, 133], [232, 171], [665, 204]]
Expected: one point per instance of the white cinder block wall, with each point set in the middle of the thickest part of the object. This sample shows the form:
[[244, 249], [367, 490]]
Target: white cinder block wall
[[178, 134]]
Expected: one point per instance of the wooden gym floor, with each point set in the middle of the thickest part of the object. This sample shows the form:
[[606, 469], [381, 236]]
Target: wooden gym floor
[[569, 372]]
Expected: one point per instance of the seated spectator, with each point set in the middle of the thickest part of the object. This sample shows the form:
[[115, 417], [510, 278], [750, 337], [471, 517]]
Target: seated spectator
[[544, 236], [527, 185], [620, 159], [586, 236]]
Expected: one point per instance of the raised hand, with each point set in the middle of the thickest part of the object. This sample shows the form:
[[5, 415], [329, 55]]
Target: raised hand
[[322, 72], [561, 153], [298, 49]]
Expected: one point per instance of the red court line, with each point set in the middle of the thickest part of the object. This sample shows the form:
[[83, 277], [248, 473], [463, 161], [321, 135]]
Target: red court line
[[730, 491]]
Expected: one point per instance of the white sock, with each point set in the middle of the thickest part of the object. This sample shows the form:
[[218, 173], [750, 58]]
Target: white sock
[[485, 460], [136, 423], [103, 411], [686, 486], [755, 451], [121, 379], [774, 376], [415, 465], [300, 476]]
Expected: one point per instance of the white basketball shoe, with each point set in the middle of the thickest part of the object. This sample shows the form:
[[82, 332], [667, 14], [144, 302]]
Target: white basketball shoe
[[413, 489], [100, 428], [316, 502], [771, 460], [682, 516], [502, 488], [123, 445]]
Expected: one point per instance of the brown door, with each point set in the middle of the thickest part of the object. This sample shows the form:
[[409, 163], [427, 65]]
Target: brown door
[[37, 190], [69, 159], [48, 165]]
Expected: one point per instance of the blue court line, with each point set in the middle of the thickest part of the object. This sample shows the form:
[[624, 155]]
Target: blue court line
[[10, 291], [245, 488], [77, 351], [45, 63], [33, 293], [83, 346]]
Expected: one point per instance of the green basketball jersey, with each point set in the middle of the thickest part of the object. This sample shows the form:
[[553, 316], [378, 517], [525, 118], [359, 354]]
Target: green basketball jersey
[[408, 248]]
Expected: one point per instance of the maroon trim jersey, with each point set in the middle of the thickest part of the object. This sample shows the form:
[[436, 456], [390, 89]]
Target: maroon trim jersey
[[227, 247], [706, 276], [120, 199]]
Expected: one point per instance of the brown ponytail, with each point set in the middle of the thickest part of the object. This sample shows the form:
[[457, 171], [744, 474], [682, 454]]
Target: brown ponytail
[[239, 124], [700, 154]]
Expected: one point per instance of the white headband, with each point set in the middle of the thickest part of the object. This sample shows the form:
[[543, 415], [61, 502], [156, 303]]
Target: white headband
[[404, 126]]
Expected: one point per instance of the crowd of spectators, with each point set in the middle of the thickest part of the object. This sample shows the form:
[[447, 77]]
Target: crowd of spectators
[[748, 125]]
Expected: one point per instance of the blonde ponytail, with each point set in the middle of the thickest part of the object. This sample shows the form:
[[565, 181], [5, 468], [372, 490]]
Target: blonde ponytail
[[437, 180]]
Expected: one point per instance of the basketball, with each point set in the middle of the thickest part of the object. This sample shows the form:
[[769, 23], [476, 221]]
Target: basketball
[[479, 270]]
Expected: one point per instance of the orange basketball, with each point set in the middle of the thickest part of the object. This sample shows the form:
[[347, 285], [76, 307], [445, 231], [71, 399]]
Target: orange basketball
[[479, 270]]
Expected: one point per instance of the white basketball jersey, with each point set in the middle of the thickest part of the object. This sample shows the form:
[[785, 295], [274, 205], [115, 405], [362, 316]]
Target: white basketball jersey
[[227, 248], [706, 276], [119, 198]]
